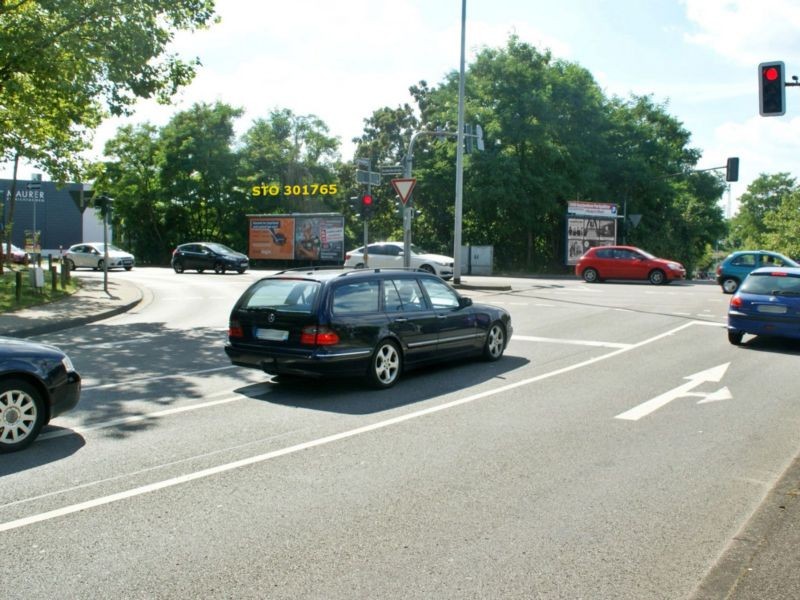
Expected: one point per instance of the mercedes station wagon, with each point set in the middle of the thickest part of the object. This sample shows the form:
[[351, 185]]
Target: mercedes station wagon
[[366, 322]]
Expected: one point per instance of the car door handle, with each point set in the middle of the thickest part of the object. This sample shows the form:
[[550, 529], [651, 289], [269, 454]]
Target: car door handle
[[401, 320]]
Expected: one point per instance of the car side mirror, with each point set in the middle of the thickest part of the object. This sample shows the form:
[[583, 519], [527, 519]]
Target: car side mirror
[[463, 302]]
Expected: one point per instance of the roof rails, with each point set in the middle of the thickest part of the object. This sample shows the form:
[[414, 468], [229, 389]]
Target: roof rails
[[314, 268]]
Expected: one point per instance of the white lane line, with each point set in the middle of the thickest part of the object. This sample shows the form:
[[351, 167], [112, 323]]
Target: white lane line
[[137, 418], [533, 338], [174, 481], [130, 381]]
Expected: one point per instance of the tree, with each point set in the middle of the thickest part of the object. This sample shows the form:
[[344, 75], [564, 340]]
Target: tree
[[132, 176], [764, 195], [288, 150], [62, 61], [198, 172], [783, 226]]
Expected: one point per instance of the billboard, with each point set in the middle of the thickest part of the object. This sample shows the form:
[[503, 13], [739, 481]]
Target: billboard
[[306, 237], [589, 224]]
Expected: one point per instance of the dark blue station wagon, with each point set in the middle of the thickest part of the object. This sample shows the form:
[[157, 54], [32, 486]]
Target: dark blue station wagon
[[366, 322]]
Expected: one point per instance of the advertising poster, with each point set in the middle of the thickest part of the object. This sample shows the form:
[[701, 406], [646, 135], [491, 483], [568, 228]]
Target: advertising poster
[[319, 238], [589, 224], [271, 238]]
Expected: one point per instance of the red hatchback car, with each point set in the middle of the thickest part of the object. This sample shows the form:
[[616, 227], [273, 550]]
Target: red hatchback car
[[627, 262]]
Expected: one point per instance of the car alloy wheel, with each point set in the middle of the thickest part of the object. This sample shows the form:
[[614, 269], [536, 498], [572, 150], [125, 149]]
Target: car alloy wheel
[[730, 285], [219, 268], [495, 342], [590, 276], [178, 267], [428, 269], [69, 265], [657, 277], [22, 414], [384, 369], [100, 264]]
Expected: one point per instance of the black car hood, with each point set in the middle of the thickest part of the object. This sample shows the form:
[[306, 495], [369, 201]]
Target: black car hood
[[17, 347]]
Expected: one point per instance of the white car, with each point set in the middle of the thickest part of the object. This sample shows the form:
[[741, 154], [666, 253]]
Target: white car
[[92, 255], [390, 255]]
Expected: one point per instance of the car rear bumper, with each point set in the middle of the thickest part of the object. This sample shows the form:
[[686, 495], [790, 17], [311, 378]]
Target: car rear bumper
[[310, 363], [775, 326]]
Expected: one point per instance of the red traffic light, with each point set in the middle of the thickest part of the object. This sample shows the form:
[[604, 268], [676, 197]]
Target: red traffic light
[[366, 200], [771, 89]]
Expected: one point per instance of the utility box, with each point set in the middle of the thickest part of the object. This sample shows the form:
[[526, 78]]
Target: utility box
[[477, 260], [37, 277]]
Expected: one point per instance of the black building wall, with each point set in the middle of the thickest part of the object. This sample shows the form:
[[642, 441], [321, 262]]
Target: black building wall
[[55, 211]]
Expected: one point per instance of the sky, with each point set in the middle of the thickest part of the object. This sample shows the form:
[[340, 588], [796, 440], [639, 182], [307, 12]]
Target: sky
[[341, 60]]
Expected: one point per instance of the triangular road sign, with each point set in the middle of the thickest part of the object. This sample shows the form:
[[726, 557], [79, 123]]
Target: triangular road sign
[[403, 188]]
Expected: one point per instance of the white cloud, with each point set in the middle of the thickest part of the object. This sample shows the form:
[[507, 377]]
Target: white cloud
[[746, 31]]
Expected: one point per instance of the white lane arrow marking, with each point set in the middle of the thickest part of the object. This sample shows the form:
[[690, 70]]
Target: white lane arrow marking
[[714, 374]]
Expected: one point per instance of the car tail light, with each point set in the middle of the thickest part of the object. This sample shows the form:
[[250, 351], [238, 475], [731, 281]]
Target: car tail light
[[174, 252], [736, 302], [347, 257], [235, 330], [318, 336], [719, 269]]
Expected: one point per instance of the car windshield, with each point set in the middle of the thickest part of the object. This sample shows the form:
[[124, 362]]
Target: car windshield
[[293, 295], [772, 284], [221, 249], [645, 254]]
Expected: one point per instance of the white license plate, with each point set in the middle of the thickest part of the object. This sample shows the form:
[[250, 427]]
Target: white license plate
[[775, 310], [272, 335]]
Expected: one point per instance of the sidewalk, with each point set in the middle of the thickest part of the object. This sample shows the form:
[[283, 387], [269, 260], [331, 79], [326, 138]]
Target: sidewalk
[[89, 304]]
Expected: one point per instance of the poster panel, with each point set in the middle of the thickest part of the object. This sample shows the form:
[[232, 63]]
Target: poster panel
[[272, 238], [319, 238], [585, 233]]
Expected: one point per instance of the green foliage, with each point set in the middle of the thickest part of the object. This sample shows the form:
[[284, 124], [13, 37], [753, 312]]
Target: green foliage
[[61, 60], [764, 196]]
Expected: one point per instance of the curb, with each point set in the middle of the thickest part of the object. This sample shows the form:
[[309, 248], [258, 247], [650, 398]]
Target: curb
[[74, 322]]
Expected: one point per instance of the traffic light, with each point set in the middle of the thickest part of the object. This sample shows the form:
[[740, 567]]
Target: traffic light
[[367, 206], [732, 169], [771, 89]]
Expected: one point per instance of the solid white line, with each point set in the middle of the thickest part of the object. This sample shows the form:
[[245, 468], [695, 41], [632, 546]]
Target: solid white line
[[533, 338], [167, 483], [136, 418], [129, 381]]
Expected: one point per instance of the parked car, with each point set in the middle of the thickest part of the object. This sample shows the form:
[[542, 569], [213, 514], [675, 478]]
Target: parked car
[[766, 303], [374, 323], [37, 383], [208, 255], [92, 256], [385, 255], [18, 255], [732, 271], [627, 262]]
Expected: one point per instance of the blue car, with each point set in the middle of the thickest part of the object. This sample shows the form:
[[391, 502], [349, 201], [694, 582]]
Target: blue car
[[767, 303], [737, 266]]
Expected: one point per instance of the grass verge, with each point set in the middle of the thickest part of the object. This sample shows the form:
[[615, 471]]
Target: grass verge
[[30, 296]]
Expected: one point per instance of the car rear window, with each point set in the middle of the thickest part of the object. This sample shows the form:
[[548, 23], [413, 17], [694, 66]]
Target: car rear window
[[772, 284], [356, 297], [293, 295]]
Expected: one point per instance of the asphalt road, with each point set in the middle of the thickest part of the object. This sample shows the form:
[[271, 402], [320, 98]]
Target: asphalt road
[[614, 452]]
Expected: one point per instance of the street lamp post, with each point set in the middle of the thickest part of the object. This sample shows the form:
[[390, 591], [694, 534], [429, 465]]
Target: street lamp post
[[459, 155]]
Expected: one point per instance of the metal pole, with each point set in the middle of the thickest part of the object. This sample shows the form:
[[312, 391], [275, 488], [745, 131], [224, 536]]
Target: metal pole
[[105, 249], [460, 155]]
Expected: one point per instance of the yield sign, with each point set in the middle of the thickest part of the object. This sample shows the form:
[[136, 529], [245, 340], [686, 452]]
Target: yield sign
[[403, 188]]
